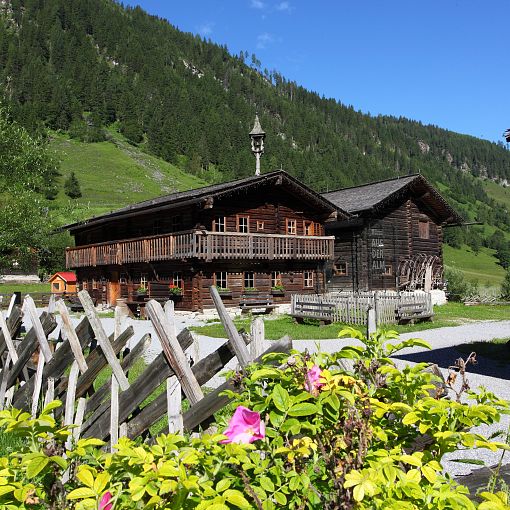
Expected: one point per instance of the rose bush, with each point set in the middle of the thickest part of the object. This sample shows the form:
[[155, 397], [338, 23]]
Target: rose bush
[[328, 431]]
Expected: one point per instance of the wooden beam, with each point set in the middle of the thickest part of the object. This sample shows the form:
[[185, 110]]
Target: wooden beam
[[71, 335], [173, 352], [25, 349], [155, 374], [30, 308], [243, 356], [102, 339], [61, 360]]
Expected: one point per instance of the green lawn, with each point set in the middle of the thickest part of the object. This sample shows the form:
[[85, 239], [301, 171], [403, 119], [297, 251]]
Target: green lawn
[[482, 268], [24, 288], [113, 174], [497, 192], [451, 314]]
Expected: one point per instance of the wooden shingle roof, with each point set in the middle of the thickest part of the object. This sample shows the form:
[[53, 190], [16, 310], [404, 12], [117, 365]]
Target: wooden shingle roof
[[376, 196]]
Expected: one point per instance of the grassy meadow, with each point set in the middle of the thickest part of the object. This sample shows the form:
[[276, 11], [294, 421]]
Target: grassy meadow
[[113, 174], [482, 267]]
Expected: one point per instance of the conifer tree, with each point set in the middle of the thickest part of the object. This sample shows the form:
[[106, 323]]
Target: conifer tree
[[72, 187]]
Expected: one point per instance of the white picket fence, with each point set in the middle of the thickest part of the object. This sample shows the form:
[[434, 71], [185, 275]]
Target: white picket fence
[[352, 307]]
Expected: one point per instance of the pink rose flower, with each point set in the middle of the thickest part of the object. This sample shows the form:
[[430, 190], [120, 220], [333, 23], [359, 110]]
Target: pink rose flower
[[245, 427], [312, 380], [105, 504]]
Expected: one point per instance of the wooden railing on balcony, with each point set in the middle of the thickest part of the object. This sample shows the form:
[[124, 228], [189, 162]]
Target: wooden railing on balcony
[[203, 245]]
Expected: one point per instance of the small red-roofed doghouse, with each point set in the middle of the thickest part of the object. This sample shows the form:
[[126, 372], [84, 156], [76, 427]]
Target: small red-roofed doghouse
[[63, 281]]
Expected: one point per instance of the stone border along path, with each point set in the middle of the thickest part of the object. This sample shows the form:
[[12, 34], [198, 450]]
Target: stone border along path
[[442, 340]]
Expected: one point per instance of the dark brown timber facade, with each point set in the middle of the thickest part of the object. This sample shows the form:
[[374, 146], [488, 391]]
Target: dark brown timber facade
[[263, 234], [394, 239]]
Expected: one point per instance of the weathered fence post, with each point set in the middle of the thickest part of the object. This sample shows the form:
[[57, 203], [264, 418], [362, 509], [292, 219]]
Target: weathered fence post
[[243, 356], [173, 386], [30, 308], [173, 352], [257, 338], [371, 321], [71, 335], [114, 400], [102, 339]]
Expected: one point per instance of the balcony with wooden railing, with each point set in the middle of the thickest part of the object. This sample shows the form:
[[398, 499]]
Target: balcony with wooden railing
[[203, 245]]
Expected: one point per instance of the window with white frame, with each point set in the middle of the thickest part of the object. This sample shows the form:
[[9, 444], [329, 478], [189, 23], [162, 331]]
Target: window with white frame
[[177, 279], [291, 227], [243, 224], [219, 224], [143, 280], [249, 280], [340, 268], [123, 278], [308, 279], [221, 280]]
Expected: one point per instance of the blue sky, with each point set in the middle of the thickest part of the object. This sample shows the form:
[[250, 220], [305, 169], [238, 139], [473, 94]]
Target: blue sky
[[443, 62]]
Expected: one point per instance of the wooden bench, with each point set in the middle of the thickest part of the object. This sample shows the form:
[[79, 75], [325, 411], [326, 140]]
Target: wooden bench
[[408, 312], [249, 302], [324, 312]]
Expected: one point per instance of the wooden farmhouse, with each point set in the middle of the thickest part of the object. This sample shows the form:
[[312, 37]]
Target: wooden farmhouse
[[259, 235], [394, 239], [63, 281]]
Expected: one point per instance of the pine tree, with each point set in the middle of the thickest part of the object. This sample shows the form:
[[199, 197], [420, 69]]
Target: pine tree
[[72, 186]]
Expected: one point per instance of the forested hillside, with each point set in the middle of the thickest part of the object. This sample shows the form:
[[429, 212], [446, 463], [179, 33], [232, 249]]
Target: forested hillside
[[81, 66]]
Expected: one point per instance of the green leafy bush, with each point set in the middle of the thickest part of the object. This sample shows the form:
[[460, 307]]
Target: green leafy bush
[[343, 430]]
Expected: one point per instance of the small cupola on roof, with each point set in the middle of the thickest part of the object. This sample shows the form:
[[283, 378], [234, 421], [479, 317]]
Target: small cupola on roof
[[257, 135]]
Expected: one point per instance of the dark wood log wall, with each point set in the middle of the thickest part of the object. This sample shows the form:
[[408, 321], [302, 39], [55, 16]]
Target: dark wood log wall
[[272, 207], [401, 239]]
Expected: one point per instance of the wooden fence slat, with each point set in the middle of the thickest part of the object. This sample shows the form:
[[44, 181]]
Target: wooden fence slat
[[96, 362], [174, 410], [8, 338], [71, 393], [62, 358], [94, 401], [71, 335], [102, 339], [13, 320], [3, 382], [30, 308], [174, 352], [25, 349], [11, 306], [78, 420], [155, 374], [50, 391], [51, 304], [114, 399], [257, 335], [243, 356], [37, 386]]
